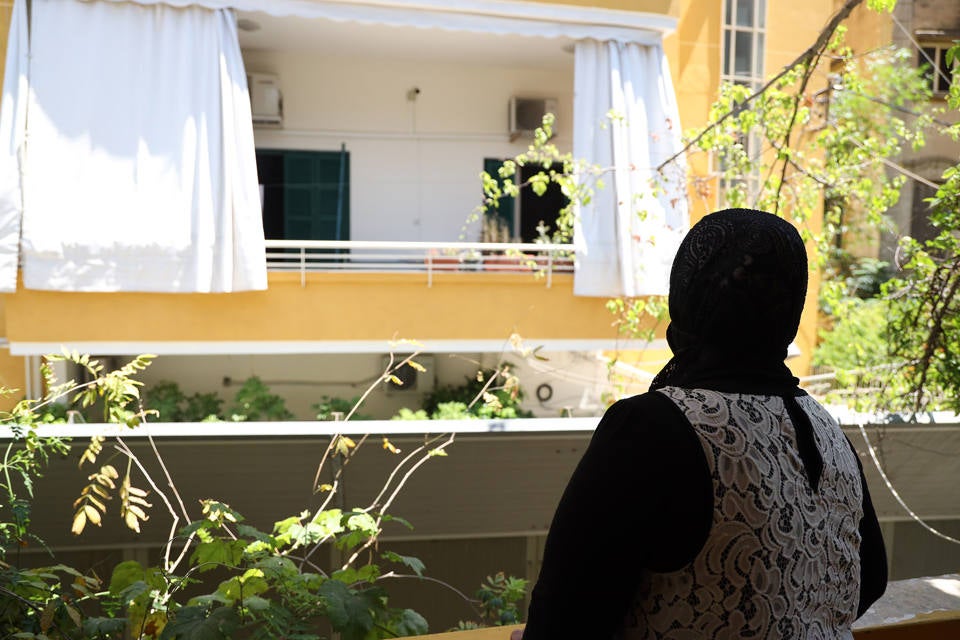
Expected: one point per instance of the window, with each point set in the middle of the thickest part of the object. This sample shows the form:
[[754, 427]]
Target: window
[[525, 217], [744, 32], [937, 73], [306, 194]]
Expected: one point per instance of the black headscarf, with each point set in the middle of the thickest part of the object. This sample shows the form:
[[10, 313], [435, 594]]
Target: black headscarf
[[737, 289]]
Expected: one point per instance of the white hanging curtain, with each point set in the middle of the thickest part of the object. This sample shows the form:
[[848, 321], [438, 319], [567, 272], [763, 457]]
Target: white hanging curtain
[[139, 170], [12, 129], [626, 122]]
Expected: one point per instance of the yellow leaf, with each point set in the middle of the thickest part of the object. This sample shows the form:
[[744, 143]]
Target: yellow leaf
[[325, 487], [103, 480], [79, 522], [347, 441], [130, 519], [389, 446], [92, 514], [100, 491], [416, 365], [395, 380], [134, 491], [137, 511], [138, 500]]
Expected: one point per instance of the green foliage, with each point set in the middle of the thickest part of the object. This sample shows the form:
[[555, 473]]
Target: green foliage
[[856, 348], [918, 368], [173, 405], [547, 155], [245, 582], [830, 145], [254, 402], [885, 6], [499, 598], [328, 407], [638, 317], [491, 394]]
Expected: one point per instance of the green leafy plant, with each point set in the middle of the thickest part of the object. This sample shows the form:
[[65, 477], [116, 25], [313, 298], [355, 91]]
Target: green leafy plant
[[173, 405], [491, 393], [245, 581], [254, 402], [330, 408], [499, 597]]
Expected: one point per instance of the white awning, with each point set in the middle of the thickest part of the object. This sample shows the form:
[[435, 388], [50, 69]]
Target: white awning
[[128, 155], [486, 16]]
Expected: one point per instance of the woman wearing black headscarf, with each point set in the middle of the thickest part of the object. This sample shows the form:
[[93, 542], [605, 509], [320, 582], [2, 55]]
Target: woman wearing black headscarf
[[725, 502]]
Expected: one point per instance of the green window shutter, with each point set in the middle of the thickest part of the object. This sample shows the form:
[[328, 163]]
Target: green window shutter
[[316, 195], [506, 210]]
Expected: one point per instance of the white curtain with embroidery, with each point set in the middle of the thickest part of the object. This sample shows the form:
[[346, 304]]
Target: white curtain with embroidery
[[626, 123], [139, 169]]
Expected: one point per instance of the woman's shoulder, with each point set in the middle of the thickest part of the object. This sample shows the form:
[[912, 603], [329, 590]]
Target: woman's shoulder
[[649, 418]]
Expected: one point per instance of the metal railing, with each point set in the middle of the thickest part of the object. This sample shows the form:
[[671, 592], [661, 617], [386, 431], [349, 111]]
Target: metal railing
[[373, 256]]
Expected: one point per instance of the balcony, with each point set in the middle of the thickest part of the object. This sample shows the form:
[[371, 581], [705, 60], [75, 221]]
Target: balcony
[[430, 258], [337, 297]]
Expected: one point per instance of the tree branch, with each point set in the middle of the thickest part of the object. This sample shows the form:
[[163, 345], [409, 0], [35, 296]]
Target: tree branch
[[814, 50]]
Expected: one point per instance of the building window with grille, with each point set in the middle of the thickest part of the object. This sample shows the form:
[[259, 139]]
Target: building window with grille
[[933, 57], [742, 62], [744, 32]]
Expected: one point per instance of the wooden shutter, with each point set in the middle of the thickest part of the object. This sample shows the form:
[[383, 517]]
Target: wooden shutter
[[316, 195]]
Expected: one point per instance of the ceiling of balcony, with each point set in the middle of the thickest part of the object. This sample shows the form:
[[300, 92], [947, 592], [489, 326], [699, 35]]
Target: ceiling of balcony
[[259, 31]]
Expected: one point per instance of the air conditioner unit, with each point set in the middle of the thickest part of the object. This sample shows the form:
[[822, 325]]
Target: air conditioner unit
[[411, 378], [526, 114], [266, 101]]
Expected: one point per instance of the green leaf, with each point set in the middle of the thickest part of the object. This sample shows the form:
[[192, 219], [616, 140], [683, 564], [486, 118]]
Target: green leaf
[[349, 611], [281, 529], [277, 567], [330, 522], [193, 623], [410, 623], [103, 627], [389, 518], [350, 575], [124, 575], [256, 603], [361, 521], [210, 555], [238, 588], [882, 6], [413, 563]]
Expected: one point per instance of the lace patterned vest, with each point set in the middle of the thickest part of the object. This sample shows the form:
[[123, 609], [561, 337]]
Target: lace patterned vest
[[780, 561]]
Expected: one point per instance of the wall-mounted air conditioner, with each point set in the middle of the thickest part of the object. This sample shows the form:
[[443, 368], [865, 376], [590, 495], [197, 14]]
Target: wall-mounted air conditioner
[[411, 378], [266, 101], [526, 114]]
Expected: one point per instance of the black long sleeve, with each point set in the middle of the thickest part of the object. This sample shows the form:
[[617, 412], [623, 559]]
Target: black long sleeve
[[873, 553], [641, 499]]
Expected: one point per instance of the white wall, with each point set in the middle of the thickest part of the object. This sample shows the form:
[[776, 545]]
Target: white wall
[[414, 165]]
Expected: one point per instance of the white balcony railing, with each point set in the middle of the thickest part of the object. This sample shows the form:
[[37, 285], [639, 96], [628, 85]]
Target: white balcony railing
[[370, 256]]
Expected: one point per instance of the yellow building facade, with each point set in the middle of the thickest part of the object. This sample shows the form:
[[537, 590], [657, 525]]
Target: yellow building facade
[[316, 313]]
